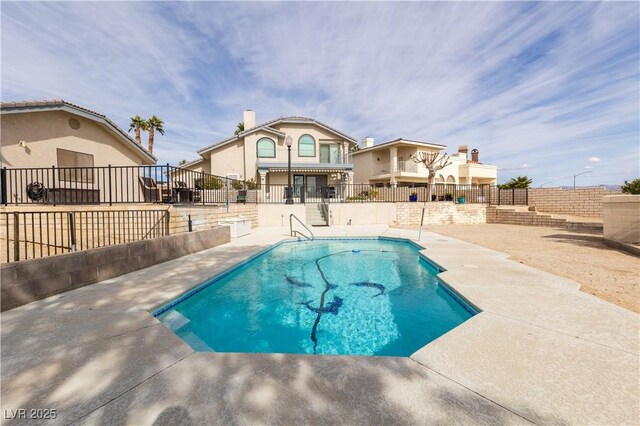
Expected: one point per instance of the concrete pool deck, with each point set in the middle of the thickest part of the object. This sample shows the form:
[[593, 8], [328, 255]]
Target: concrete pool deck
[[539, 352]]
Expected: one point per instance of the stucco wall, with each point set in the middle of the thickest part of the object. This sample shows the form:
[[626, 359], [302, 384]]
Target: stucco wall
[[278, 214], [621, 218], [363, 214], [585, 202], [44, 132]]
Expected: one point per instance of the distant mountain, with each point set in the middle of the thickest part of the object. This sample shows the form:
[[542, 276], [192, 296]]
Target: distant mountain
[[607, 187]]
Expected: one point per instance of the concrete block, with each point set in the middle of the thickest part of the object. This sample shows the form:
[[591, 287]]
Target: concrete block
[[69, 262], [8, 275], [55, 284], [87, 275], [29, 270]]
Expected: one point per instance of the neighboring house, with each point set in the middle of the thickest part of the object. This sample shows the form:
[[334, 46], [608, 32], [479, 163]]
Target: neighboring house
[[59, 133], [41, 134], [319, 153], [392, 163]]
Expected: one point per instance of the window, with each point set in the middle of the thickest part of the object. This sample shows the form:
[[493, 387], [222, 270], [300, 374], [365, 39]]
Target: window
[[79, 161], [266, 148], [306, 146], [330, 154]]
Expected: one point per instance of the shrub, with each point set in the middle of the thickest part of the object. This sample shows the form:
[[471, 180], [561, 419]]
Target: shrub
[[237, 184], [211, 182], [632, 187], [252, 184]]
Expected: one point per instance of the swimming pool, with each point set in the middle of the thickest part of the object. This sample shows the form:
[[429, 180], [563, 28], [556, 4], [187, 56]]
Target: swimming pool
[[373, 296]]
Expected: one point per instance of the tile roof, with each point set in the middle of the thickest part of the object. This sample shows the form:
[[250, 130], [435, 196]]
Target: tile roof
[[55, 104], [266, 127]]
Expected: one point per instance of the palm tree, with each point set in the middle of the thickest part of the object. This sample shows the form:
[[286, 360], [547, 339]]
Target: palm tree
[[517, 182], [138, 124], [239, 128], [153, 124]]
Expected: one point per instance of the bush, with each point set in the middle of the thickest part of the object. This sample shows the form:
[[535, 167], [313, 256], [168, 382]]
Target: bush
[[252, 184], [632, 187], [212, 182], [237, 184]]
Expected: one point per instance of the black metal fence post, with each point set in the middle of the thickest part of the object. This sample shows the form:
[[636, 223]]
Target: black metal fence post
[[190, 224], [16, 236], [3, 186], [53, 171], [513, 196], [72, 232], [526, 196], [110, 199]]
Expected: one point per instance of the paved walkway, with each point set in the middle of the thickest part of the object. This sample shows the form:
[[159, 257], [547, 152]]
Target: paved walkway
[[539, 352]]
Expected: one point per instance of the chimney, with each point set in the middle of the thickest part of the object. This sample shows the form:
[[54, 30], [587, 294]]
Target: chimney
[[474, 155], [462, 151], [249, 119], [366, 143]]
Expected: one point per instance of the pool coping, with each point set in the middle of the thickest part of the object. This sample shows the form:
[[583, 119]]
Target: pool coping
[[499, 359]]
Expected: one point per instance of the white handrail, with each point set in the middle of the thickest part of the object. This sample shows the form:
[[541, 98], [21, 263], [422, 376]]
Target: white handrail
[[292, 232]]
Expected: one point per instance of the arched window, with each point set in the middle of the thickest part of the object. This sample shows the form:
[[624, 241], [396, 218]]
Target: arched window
[[451, 179], [306, 146], [440, 179], [266, 148]]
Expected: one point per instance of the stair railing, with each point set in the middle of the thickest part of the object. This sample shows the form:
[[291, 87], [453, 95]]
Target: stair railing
[[295, 232]]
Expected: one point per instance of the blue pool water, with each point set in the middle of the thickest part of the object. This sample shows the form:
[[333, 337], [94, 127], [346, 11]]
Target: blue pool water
[[356, 297]]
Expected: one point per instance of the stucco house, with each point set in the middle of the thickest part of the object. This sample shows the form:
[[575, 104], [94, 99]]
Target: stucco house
[[37, 135], [391, 163], [319, 153], [62, 134]]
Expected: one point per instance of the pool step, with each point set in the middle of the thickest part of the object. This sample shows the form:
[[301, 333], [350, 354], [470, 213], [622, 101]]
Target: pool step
[[315, 215]]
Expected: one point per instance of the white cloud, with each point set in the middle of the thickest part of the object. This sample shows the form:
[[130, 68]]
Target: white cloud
[[530, 83], [588, 167], [594, 159]]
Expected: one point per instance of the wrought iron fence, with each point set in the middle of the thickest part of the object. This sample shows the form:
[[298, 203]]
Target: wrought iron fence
[[113, 185], [32, 234], [168, 184], [367, 193]]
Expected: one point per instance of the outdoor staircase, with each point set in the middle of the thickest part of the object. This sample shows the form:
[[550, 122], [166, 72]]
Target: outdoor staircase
[[520, 215], [315, 215]]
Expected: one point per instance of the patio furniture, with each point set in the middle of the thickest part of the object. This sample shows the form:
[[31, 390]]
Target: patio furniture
[[182, 193], [152, 192], [242, 196]]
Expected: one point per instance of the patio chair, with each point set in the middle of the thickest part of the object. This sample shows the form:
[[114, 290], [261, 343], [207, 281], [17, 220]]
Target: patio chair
[[150, 190], [242, 197]]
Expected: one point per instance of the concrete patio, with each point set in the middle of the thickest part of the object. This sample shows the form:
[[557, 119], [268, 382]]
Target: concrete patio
[[539, 352]]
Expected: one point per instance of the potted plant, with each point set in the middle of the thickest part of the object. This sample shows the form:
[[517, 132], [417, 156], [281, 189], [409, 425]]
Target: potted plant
[[413, 197], [461, 199], [434, 197], [448, 196]]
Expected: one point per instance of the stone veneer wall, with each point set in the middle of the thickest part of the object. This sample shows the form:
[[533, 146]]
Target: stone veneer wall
[[440, 213], [621, 218], [29, 280], [203, 217], [585, 202]]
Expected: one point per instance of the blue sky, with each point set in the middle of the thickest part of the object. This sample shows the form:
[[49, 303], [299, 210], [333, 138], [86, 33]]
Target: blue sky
[[543, 89]]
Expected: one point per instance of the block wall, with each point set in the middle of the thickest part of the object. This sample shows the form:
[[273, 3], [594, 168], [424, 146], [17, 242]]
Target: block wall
[[586, 202], [29, 280]]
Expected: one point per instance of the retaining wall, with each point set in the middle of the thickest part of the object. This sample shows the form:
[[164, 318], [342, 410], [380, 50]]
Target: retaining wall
[[29, 280], [441, 213], [586, 202]]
